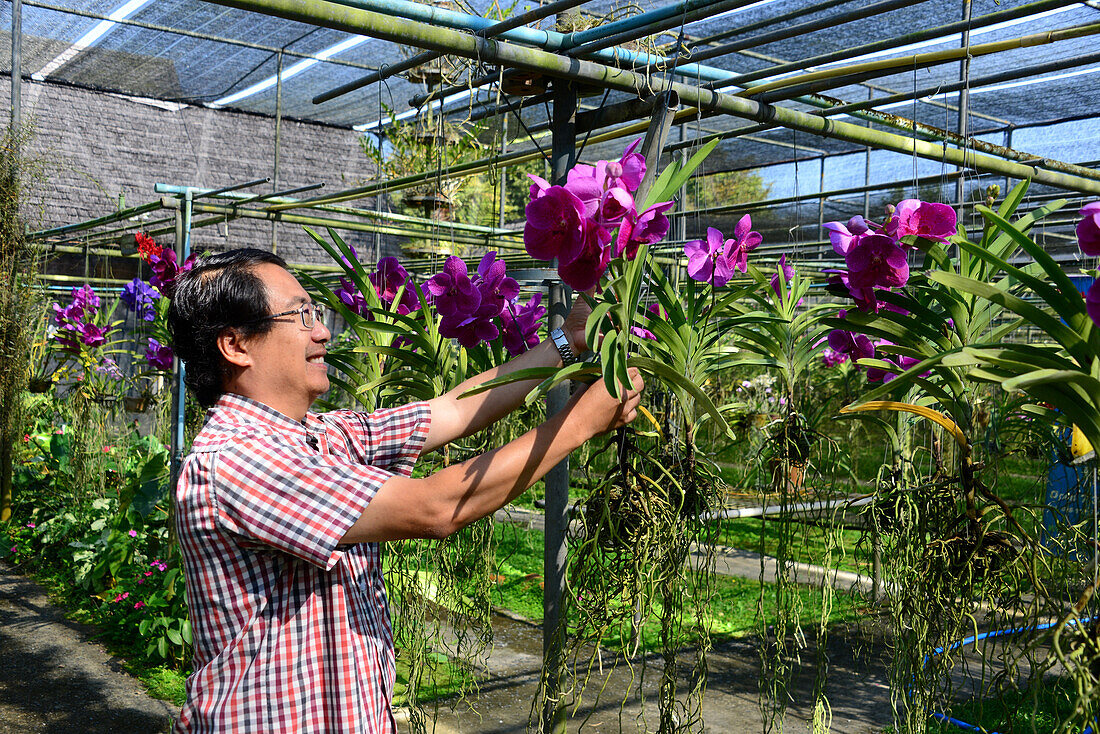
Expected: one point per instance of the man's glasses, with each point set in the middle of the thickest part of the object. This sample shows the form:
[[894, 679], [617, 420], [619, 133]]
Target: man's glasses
[[309, 313]]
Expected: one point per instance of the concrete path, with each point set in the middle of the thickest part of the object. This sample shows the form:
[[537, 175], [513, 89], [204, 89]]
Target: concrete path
[[55, 679]]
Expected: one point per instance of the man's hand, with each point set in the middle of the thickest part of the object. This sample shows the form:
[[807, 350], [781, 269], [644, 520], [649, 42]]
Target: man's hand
[[593, 410], [575, 322]]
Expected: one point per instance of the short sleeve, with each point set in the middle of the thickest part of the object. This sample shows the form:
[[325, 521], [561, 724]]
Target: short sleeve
[[287, 497], [389, 439]]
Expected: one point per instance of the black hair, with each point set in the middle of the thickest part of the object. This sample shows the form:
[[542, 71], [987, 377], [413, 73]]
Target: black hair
[[220, 292]]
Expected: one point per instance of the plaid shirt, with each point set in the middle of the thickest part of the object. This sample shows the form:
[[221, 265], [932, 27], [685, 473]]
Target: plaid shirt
[[291, 629]]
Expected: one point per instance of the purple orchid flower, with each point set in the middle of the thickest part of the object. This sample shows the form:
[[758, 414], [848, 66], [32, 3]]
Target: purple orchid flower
[[788, 273], [521, 324], [452, 290], [842, 235], [555, 226], [831, 358], [159, 356], [388, 279], [706, 259], [615, 204], [1088, 229], [876, 260], [928, 220], [85, 299], [92, 335], [351, 297], [1092, 302], [469, 330], [856, 346], [494, 287], [646, 228], [658, 312], [140, 297], [585, 271]]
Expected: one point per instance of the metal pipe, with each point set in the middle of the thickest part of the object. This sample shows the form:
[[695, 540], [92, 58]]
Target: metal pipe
[[443, 19], [496, 29], [352, 20], [886, 66], [982, 21], [632, 31], [974, 83], [781, 32], [16, 68], [964, 94], [93, 223], [769, 22], [563, 157]]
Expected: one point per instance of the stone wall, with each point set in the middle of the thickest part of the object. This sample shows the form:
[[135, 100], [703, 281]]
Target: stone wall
[[96, 146]]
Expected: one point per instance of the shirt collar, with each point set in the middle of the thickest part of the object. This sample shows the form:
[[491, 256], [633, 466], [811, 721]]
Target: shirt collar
[[255, 411]]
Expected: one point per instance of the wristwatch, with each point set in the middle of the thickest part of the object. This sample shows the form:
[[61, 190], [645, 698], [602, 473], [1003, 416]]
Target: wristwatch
[[562, 343]]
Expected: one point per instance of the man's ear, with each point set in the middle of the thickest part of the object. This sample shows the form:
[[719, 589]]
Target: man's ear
[[234, 348]]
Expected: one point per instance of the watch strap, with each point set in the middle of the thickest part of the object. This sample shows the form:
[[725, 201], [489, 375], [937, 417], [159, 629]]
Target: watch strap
[[562, 343]]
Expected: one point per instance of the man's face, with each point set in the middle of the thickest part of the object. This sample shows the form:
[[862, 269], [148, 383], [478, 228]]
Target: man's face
[[288, 368]]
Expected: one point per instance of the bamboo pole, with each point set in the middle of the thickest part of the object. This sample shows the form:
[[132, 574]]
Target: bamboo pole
[[351, 20]]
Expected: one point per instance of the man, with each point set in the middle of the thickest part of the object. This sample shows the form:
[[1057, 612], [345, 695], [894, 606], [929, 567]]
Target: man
[[279, 511]]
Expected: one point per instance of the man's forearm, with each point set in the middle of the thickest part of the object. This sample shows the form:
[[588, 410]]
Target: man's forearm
[[454, 416]]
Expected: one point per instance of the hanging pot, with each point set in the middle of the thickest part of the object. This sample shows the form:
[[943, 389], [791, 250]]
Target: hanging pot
[[518, 83], [39, 385], [136, 403]]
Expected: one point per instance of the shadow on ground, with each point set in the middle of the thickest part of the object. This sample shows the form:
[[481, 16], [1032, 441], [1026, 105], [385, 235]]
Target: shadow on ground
[[53, 678]]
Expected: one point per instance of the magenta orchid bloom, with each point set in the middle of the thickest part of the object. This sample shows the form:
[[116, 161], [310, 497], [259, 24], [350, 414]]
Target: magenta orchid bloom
[[841, 236], [585, 271], [615, 204], [788, 273], [521, 324], [856, 346], [707, 261], [1092, 302], [388, 280], [452, 290], [831, 358], [659, 313], [555, 226], [92, 335], [468, 330], [928, 220], [159, 355], [876, 260], [646, 228], [1088, 229], [744, 241], [494, 285]]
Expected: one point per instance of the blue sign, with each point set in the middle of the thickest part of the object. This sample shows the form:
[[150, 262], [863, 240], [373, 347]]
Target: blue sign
[[1071, 493]]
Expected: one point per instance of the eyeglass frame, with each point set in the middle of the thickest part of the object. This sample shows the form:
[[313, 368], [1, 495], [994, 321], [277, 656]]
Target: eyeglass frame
[[317, 309]]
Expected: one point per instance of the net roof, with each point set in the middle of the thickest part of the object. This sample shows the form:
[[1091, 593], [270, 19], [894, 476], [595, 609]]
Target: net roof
[[1042, 98]]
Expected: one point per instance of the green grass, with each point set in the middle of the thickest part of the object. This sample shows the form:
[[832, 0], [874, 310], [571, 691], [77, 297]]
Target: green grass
[[808, 544], [732, 610], [1016, 711]]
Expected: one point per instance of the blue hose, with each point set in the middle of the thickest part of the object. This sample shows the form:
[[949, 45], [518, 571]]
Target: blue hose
[[986, 635]]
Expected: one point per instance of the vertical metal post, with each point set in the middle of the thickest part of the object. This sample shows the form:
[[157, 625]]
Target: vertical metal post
[[503, 170], [681, 221], [16, 66], [183, 251], [821, 201], [563, 156], [867, 170], [278, 134], [964, 105]]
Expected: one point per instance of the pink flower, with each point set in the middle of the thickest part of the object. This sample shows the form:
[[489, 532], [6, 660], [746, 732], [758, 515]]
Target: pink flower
[[30, 525], [121, 596], [1092, 302], [452, 290], [26, 438], [928, 220], [707, 262], [585, 271], [139, 605], [856, 346], [876, 260], [555, 226], [842, 236], [1088, 230], [788, 273], [521, 323], [133, 533], [658, 313], [646, 228]]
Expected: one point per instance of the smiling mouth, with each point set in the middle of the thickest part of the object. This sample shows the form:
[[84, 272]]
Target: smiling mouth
[[316, 359]]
